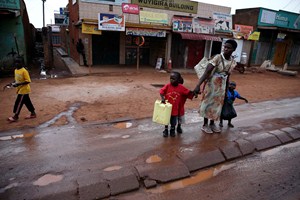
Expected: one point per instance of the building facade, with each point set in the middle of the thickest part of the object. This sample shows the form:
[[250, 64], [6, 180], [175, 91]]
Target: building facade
[[16, 34], [116, 32], [279, 35]]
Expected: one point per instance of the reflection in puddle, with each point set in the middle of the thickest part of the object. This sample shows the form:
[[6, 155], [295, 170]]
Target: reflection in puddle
[[47, 179], [112, 168], [186, 149], [8, 187], [12, 137], [198, 178], [110, 136], [123, 125], [153, 159]]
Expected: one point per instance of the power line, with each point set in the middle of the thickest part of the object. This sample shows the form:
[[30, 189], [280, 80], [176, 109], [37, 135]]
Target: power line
[[287, 4]]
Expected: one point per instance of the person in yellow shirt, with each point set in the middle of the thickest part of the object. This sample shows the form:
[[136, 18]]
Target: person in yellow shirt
[[21, 83]]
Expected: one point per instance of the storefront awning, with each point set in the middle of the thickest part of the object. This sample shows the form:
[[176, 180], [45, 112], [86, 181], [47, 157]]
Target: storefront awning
[[196, 36]]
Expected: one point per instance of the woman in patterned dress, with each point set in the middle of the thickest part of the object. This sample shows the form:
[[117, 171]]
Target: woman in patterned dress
[[215, 78]]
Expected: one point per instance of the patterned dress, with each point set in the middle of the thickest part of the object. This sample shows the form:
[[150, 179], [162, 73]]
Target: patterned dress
[[214, 90]]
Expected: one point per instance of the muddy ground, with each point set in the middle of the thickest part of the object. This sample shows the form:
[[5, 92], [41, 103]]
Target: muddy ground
[[105, 98]]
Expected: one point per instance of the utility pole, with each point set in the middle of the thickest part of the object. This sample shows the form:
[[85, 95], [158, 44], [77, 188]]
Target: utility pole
[[43, 12]]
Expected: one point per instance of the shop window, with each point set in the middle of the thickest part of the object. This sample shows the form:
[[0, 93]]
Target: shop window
[[111, 8]]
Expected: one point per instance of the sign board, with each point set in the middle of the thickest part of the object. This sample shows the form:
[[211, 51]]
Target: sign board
[[10, 5], [174, 5], [130, 8], [152, 17], [203, 26], [279, 18], [61, 20], [111, 2], [111, 22], [242, 31], [182, 24], [145, 32], [254, 36], [223, 22], [90, 29]]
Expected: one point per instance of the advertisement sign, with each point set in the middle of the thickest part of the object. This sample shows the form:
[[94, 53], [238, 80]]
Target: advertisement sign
[[61, 20], [175, 5], [242, 31], [254, 36], [203, 26], [223, 22], [90, 29], [182, 24], [111, 2], [145, 32], [111, 22], [130, 8], [152, 17], [10, 4], [279, 18]]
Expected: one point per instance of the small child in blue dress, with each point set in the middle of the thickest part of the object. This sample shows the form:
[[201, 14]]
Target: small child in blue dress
[[232, 94]]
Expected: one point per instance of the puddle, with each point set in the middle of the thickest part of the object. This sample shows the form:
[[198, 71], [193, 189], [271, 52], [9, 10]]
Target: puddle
[[112, 168], [244, 133], [198, 178], [153, 159], [186, 149], [2, 190], [68, 114], [125, 136], [111, 136], [12, 137], [158, 85], [48, 179], [123, 125]]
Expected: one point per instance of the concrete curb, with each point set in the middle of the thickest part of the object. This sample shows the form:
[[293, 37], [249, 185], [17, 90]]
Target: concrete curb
[[150, 175]]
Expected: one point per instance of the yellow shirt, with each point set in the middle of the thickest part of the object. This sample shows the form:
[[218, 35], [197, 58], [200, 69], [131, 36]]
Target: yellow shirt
[[21, 76]]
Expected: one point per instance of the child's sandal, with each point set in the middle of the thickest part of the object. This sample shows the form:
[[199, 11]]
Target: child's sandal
[[11, 119]]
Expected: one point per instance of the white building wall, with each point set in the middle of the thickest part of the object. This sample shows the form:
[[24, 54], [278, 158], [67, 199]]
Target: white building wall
[[91, 10]]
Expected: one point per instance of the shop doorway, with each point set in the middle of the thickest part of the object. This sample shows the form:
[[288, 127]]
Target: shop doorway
[[106, 48], [195, 52], [280, 53]]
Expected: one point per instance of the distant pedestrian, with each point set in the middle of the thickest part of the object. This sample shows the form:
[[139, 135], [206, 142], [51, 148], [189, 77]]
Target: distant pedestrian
[[80, 50], [174, 92], [228, 111], [21, 83]]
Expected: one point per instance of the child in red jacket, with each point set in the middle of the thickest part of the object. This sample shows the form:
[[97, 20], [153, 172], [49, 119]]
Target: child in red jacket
[[174, 93]]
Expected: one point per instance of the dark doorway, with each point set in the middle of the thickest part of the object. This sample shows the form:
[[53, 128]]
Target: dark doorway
[[106, 48]]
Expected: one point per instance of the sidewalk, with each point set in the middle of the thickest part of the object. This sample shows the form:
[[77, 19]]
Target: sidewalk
[[76, 69]]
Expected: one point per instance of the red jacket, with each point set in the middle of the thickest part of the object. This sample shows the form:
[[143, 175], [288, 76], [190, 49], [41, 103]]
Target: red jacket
[[176, 95]]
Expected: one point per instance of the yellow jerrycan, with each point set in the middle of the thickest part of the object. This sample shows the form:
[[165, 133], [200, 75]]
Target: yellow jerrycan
[[162, 112]]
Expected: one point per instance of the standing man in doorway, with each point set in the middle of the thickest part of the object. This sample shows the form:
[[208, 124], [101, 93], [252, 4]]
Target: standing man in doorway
[[80, 49]]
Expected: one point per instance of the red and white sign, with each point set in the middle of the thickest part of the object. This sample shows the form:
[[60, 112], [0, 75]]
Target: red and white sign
[[130, 8]]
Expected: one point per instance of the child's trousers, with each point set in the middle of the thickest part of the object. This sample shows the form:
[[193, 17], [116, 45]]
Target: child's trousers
[[23, 99]]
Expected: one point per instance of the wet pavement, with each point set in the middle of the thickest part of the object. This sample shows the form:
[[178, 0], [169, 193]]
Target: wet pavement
[[97, 160]]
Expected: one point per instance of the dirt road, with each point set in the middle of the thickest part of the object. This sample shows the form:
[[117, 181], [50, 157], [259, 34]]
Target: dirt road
[[102, 98]]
